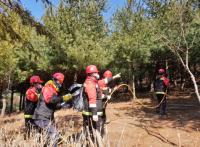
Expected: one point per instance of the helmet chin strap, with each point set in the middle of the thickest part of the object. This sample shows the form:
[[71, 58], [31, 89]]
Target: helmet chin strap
[[57, 83], [38, 87]]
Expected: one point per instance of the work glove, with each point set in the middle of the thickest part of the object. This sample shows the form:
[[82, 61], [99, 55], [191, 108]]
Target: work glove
[[109, 97], [103, 96], [117, 76], [95, 117], [67, 97]]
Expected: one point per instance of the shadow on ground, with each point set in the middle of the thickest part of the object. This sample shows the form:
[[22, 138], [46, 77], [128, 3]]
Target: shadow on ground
[[183, 112]]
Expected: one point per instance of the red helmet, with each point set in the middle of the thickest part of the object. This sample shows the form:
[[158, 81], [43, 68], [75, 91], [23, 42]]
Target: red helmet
[[91, 69], [161, 71], [107, 74], [59, 76], [35, 79]]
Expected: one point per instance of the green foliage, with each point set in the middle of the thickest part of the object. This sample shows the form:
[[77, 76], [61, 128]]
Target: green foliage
[[79, 29], [22, 50], [176, 25], [75, 34], [132, 41]]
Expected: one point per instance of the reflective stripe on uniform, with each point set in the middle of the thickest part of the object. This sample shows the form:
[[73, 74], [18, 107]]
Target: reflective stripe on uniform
[[92, 105], [87, 113], [160, 93], [27, 116], [99, 113], [90, 113]]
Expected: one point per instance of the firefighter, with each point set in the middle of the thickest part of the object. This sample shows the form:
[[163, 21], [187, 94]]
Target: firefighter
[[31, 99], [160, 86], [93, 108], [106, 84], [49, 102]]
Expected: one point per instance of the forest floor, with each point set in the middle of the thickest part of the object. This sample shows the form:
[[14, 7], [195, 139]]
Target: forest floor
[[129, 125]]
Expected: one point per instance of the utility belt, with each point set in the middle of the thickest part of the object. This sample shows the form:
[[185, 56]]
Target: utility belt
[[28, 116], [90, 113]]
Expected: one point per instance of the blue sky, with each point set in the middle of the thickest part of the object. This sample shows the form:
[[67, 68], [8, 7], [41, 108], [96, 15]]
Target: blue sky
[[37, 8]]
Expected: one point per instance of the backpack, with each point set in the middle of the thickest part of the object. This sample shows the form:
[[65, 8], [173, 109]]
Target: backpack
[[159, 86], [78, 100]]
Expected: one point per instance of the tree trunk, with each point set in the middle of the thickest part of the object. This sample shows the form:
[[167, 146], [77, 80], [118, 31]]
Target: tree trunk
[[194, 68], [4, 107], [175, 82], [183, 85], [152, 87], [191, 74], [20, 102], [194, 82], [11, 101], [75, 77], [134, 95], [23, 101], [1, 90]]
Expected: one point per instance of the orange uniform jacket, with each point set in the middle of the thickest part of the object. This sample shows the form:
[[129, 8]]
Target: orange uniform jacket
[[92, 101], [32, 96]]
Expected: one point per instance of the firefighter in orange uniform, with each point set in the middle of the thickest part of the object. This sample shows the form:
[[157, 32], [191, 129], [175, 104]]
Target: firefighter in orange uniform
[[49, 102], [32, 96], [93, 108], [160, 86], [106, 84]]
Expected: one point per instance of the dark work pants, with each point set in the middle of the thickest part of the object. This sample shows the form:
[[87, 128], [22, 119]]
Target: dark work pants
[[90, 126], [50, 130], [29, 125], [161, 109]]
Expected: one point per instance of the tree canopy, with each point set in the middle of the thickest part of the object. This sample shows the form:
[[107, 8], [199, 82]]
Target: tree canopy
[[143, 35]]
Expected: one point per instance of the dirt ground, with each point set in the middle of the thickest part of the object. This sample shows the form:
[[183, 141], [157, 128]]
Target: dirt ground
[[130, 124], [133, 125]]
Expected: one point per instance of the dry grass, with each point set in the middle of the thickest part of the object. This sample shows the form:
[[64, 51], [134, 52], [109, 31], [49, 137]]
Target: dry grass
[[130, 126], [12, 132]]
